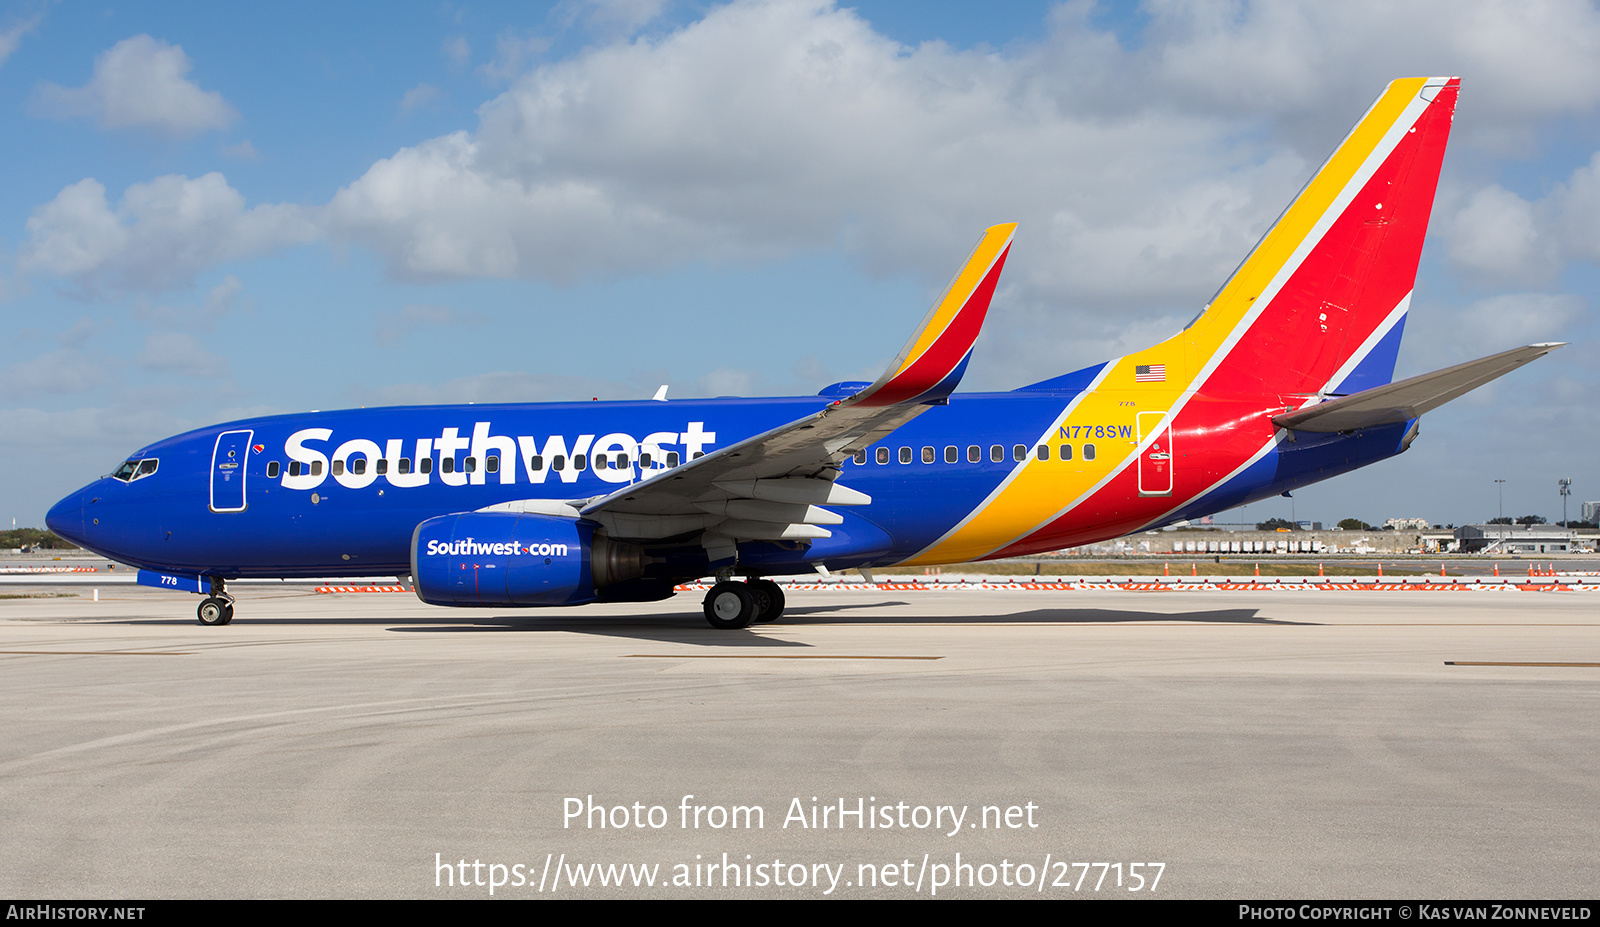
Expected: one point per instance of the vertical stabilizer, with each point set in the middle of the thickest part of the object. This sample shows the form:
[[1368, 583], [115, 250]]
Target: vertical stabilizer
[[1317, 308], [1322, 299]]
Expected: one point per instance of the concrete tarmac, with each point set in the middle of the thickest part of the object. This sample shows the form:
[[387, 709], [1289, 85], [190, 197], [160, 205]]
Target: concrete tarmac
[[980, 744]]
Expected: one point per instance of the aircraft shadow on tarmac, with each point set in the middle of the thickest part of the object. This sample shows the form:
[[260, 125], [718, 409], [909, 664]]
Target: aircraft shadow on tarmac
[[690, 629]]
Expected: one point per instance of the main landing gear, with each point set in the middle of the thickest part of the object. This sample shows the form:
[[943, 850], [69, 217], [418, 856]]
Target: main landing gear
[[216, 609], [730, 605]]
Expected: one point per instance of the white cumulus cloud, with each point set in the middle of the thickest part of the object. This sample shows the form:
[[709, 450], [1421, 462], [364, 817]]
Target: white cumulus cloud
[[160, 235], [11, 36], [1498, 234], [140, 83], [1140, 173], [765, 129]]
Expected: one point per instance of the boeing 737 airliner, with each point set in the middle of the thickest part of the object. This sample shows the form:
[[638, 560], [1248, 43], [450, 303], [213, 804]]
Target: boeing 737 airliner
[[1284, 379]]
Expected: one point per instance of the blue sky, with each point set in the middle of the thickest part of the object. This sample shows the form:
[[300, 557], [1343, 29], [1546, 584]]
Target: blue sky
[[214, 211]]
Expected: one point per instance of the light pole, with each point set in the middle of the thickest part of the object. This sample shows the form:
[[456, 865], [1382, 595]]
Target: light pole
[[1500, 489], [1566, 490]]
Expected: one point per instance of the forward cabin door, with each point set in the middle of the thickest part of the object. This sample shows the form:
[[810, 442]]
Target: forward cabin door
[[228, 469], [1156, 460]]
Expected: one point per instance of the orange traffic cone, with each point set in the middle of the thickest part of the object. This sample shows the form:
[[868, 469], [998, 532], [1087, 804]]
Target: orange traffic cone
[[1166, 569], [1258, 569], [1193, 571], [1380, 567], [1319, 570]]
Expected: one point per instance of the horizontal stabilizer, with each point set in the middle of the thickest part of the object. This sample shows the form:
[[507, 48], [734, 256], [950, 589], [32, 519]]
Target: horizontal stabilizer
[[1408, 399]]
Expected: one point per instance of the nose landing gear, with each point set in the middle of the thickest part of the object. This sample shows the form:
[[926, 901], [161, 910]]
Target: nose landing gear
[[216, 609]]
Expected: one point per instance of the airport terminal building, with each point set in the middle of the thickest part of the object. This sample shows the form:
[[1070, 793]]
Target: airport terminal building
[[1516, 539]]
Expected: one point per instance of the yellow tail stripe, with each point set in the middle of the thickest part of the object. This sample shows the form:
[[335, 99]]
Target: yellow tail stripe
[[1263, 264]]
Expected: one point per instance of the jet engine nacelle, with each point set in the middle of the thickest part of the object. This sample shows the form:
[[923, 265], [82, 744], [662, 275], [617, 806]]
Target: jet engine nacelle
[[514, 558]]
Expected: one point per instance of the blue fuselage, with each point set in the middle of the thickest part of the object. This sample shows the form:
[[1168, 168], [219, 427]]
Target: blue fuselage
[[290, 502]]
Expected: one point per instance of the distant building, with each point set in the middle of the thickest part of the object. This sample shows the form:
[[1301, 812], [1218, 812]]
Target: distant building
[[1589, 512], [1515, 539], [1408, 524]]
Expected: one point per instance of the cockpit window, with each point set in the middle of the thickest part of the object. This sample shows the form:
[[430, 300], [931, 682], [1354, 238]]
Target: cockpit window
[[136, 469]]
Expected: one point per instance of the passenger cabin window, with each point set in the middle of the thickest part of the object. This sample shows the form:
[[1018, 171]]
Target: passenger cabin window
[[1066, 452], [316, 468], [338, 468], [644, 461], [491, 464], [447, 465], [905, 455], [860, 457], [272, 470], [952, 454], [536, 463], [883, 455], [425, 465], [579, 461], [405, 465], [997, 453], [472, 465], [558, 462], [1044, 452], [294, 468], [383, 465], [672, 458], [1088, 452], [1019, 452], [358, 466], [927, 455], [974, 454]]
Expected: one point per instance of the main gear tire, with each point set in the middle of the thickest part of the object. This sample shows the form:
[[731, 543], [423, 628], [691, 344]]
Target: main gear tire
[[731, 606], [769, 598]]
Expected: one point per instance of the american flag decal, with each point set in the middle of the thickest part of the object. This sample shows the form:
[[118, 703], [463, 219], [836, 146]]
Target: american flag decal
[[1150, 373]]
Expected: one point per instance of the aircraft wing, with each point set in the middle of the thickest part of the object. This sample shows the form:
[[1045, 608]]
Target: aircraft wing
[[1408, 399], [772, 486]]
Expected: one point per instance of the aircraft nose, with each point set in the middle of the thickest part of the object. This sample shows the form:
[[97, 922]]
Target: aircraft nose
[[65, 518]]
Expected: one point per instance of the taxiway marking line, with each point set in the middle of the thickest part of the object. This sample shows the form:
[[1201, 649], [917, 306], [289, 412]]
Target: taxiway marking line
[[99, 653], [1508, 663]]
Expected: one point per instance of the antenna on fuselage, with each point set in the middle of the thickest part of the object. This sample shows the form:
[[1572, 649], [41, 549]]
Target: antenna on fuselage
[[661, 394]]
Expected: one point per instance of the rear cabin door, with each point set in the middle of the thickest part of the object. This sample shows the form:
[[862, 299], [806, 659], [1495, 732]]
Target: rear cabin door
[[228, 469], [1155, 461]]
